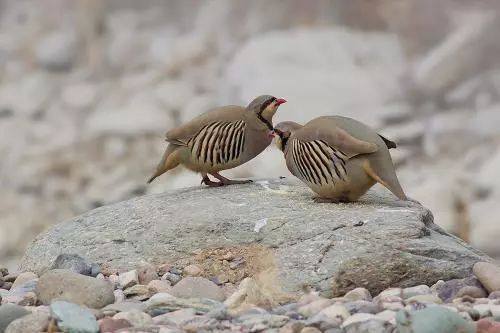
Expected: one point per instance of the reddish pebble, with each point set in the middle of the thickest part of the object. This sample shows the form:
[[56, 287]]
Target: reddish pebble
[[488, 326], [147, 273], [108, 325]]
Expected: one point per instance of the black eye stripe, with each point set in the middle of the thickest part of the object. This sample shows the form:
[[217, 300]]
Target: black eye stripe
[[266, 104]]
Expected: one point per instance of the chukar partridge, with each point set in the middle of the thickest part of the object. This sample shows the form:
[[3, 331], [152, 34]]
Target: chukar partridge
[[221, 139], [339, 158]]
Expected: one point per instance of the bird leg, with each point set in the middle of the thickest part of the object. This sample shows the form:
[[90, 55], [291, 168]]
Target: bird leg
[[211, 183], [226, 181]]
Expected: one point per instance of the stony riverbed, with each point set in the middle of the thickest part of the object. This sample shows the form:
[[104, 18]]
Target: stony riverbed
[[76, 296]]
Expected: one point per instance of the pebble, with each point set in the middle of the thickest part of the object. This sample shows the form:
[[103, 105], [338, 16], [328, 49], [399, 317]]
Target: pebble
[[487, 326], [434, 319], [95, 270], [310, 330], [73, 287], [23, 278], [425, 299], [172, 278], [159, 306], [495, 311], [387, 315], [359, 317], [358, 294], [370, 326], [109, 325], [138, 292], [32, 323], [9, 313], [256, 323], [436, 287], [416, 291], [163, 269], [29, 286], [363, 307], [114, 280], [192, 270], [146, 274], [197, 287], [483, 310], [124, 307], [337, 312], [389, 293], [314, 307], [128, 279], [494, 295], [119, 295], [73, 318], [161, 286], [488, 274], [135, 318], [471, 291], [394, 306], [292, 327], [450, 290], [330, 317], [176, 317], [72, 262]]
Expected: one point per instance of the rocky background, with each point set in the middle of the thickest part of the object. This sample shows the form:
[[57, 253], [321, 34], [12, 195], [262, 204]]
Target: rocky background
[[88, 88]]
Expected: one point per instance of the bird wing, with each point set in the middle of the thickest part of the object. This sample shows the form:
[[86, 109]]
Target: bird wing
[[335, 137], [183, 133]]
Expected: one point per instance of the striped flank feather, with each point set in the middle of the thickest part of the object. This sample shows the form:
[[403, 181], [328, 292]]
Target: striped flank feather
[[219, 142], [318, 163]]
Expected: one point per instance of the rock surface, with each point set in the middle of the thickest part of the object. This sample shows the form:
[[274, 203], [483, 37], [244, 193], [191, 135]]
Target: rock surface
[[289, 236], [64, 285], [9, 313], [73, 318]]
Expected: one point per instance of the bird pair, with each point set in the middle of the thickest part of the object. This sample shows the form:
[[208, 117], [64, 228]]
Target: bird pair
[[337, 157]]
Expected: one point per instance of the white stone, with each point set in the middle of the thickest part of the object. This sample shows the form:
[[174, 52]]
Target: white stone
[[336, 312], [415, 291], [135, 317], [359, 317], [483, 309], [388, 315], [358, 294], [128, 279]]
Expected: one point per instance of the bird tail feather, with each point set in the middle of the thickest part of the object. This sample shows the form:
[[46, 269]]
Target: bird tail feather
[[167, 162]]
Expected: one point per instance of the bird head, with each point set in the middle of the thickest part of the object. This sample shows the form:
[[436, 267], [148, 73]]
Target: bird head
[[283, 131], [265, 106]]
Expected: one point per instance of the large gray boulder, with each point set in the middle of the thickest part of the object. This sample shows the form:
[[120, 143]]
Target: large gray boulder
[[272, 228]]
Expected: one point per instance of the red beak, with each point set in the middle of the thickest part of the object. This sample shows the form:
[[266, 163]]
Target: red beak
[[280, 101]]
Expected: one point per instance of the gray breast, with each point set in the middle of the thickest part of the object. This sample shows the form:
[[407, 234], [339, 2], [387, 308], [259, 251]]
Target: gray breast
[[219, 142], [318, 163]]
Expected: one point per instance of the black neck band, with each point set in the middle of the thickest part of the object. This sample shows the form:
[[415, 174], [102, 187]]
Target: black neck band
[[265, 121]]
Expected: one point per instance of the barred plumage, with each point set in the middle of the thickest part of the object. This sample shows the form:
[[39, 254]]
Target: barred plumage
[[318, 163], [218, 142]]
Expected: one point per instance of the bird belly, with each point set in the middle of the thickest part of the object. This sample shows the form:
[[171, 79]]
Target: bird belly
[[198, 165]]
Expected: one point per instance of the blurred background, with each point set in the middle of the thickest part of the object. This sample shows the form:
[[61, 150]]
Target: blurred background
[[89, 87]]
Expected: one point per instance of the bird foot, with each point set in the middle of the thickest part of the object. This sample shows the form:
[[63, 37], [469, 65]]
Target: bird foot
[[211, 183]]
